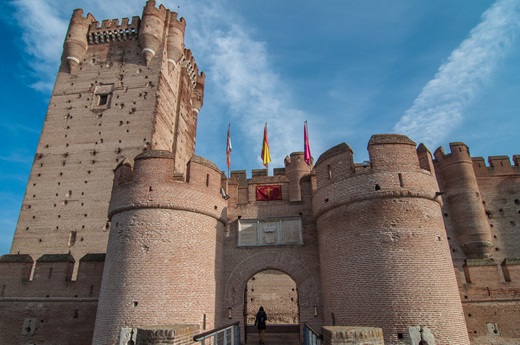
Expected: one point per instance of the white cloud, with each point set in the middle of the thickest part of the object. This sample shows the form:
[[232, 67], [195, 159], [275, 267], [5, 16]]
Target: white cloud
[[438, 109]]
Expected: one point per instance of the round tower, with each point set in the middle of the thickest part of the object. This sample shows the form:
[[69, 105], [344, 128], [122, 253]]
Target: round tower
[[151, 29], [463, 200], [75, 45], [164, 249], [384, 256], [295, 169]]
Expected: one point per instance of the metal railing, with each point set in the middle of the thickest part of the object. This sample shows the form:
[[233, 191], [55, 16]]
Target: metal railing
[[310, 336], [225, 335]]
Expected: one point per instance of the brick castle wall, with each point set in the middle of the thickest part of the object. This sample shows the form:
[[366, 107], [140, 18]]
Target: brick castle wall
[[49, 304]]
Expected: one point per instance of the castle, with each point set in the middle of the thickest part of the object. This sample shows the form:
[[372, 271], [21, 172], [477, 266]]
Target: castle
[[124, 229]]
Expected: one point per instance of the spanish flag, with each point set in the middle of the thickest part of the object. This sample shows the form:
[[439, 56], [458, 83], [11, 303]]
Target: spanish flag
[[266, 156]]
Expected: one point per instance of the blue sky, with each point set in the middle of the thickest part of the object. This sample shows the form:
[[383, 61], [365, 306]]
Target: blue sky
[[439, 71]]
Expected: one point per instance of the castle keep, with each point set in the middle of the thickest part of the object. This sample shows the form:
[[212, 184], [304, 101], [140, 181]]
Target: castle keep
[[126, 235]]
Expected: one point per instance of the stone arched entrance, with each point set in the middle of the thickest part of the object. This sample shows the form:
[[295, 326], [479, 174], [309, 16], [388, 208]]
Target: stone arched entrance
[[276, 293], [306, 281]]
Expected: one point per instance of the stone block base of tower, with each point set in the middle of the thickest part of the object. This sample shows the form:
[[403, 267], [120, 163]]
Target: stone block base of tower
[[178, 334], [345, 335]]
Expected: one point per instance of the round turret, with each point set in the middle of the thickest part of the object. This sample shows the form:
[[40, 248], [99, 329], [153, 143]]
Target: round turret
[[151, 29], [197, 95], [334, 164], [75, 45], [384, 254], [463, 200], [164, 248], [175, 39], [295, 169]]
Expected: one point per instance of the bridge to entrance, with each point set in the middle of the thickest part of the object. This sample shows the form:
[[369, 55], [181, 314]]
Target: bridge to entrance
[[274, 335], [275, 339]]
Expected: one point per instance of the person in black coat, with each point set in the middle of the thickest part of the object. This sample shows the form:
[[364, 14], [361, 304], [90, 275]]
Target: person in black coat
[[261, 318]]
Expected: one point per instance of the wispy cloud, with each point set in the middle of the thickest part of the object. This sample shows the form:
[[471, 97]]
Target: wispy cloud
[[43, 33], [22, 157], [241, 70], [18, 129], [438, 109]]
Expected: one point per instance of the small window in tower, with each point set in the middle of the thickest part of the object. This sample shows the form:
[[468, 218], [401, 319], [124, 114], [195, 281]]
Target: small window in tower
[[103, 99], [72, 238]]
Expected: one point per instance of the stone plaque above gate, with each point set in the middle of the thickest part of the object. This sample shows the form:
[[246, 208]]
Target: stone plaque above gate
[[270, 232]]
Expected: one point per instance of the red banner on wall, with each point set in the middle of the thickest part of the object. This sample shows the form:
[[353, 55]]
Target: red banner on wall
[[269, 192]]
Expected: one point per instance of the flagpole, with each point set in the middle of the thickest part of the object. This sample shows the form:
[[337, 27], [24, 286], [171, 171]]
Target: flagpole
[[267, 164]]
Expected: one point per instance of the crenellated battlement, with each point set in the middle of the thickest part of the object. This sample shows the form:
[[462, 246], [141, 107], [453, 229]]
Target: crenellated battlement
[[485, 280], [459, 152], [151, 182], [498, 166], [50, 276], [110, 30], [149, 30], [197, 80], [393, 171]]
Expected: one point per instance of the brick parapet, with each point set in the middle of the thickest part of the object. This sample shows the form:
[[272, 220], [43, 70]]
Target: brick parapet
[[51, 277], [375, 185]]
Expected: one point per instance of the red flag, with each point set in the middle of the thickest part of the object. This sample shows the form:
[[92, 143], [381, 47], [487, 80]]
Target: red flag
[[228, 147], [306, 148], [269, 192], [265, 155]]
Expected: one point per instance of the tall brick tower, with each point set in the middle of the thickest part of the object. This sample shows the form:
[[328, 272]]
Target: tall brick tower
[[387, 262], [122, 88]]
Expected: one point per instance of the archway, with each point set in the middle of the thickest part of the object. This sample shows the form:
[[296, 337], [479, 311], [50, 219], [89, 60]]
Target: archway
[[305, 279], [276, 292]]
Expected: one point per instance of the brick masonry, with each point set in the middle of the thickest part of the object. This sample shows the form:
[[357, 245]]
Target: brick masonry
[[405, 242]]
